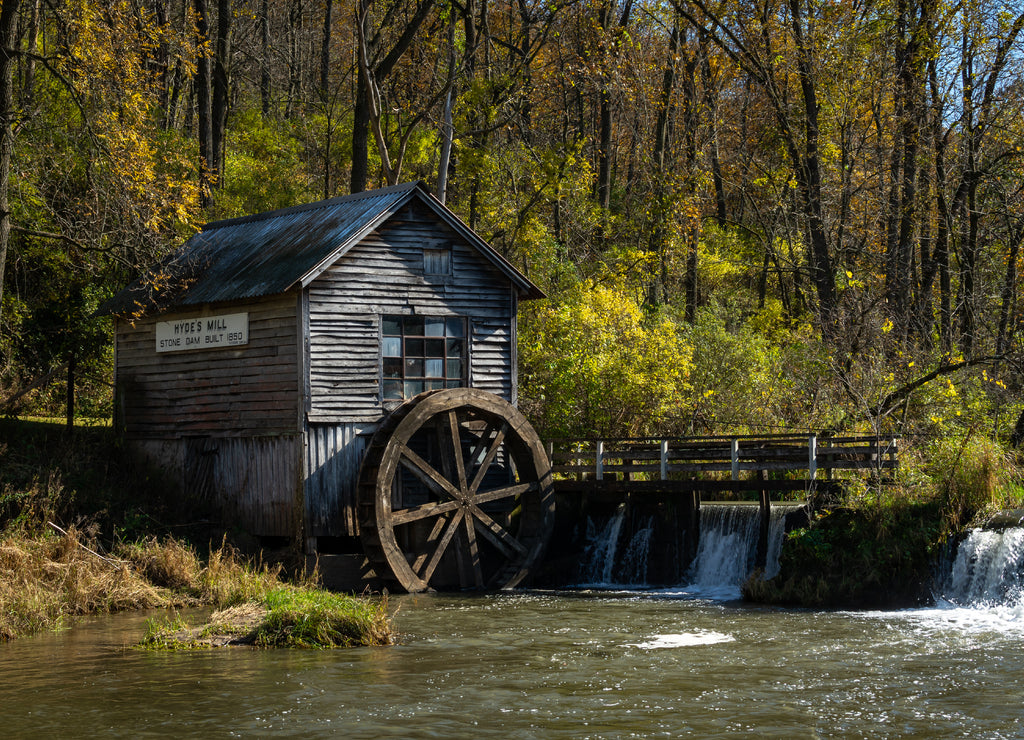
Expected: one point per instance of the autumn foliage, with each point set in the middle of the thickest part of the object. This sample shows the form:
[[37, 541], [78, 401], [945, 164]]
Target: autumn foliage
[[748, 217]]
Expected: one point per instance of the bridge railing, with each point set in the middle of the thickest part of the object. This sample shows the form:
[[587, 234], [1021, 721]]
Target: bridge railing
[[668, 459]]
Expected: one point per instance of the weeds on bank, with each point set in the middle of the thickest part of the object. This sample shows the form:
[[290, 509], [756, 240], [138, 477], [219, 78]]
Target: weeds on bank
[[46, 581], [303, 617]]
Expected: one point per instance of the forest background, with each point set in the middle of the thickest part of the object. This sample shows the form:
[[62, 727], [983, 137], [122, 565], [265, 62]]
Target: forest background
[[749, 217]]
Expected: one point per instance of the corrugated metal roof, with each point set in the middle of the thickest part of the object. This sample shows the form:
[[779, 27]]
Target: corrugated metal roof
[[269, 253]]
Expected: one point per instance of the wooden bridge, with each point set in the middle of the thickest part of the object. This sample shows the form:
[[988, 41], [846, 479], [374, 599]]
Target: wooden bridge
[[716, 464]]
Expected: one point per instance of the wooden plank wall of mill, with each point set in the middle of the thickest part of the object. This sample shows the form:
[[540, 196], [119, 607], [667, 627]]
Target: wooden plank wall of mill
[[252, 390], [225, 422], [334, 453], [384, 275]]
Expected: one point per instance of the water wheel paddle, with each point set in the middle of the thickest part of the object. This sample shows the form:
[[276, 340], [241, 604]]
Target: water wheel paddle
[[455, 493]]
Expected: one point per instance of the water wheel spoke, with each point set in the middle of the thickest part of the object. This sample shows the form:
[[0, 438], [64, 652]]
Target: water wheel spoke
[[506, 492], [497, 534], [482, 440], [456, 449], [415, 513], [435, 532], [474, 553], [492, 452], [435, 558], [427, 474]]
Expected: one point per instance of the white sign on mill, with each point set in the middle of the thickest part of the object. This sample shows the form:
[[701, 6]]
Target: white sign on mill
[[205, 332]]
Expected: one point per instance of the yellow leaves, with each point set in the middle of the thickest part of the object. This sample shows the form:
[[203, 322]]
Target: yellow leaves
[[597, 365], [143, 172]]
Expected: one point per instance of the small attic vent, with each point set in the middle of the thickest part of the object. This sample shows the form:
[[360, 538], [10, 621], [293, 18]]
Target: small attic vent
[[437, 261]]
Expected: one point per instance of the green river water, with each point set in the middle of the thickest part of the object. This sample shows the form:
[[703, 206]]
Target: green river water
[[545, 665]]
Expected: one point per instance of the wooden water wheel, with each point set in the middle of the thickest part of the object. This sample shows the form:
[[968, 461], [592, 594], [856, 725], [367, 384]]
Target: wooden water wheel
[[455, 493]]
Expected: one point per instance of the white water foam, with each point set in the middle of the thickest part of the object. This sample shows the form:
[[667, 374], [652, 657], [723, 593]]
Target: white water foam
[[599, 555], [988, 569], [684, 639], [725, 557], [603, 567], [728, 546]]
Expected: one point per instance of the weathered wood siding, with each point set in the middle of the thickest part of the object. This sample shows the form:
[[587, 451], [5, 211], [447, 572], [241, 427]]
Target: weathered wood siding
[[254, 481], [384, 275], [224, 422], [253, 390], [334, 453]]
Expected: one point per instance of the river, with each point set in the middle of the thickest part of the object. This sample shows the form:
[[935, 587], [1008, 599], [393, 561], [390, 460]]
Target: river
[[574, 664]]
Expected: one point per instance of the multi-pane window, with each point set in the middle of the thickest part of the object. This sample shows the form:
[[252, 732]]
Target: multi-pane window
[[422, 353]]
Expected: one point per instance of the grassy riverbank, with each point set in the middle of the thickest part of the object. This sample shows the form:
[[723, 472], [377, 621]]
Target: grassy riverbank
[[287, 616], [128, 550], [47, 581]]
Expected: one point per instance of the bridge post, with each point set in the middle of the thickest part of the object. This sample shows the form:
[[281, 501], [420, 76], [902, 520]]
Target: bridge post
[[812, 456], [734, 453], [599, 461], [664, 459]]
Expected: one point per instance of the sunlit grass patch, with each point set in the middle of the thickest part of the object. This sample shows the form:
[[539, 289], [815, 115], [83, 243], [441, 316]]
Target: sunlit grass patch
[[302, 617], [287, 616]]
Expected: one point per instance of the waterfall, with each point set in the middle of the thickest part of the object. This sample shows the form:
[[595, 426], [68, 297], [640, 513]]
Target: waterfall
[[728, 545], [616, 551], [776, 536], [599, 554], [988, 569], [602, 564]]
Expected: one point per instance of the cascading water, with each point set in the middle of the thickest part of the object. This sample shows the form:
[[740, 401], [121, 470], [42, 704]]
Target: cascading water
[[776, 536], [602, 564], [617, 554], [988, 570], [602, 544], [728, 545]]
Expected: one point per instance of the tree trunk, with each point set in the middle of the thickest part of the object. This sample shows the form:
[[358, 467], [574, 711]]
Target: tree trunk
[[70, 400], [604, 155], [325, 50], [221, 86], [265, 56], [8, 42], [370, 76], [31, 44], [447, 130], [204, 101]]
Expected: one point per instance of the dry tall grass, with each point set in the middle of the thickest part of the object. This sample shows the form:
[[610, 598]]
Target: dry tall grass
[[46, 581]]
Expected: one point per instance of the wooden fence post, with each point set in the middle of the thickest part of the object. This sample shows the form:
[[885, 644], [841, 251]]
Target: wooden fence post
[[599, 461], [664, 459], [734, 453]]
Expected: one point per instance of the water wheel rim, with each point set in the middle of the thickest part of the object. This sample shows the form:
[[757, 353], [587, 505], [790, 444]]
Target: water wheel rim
[[458, 511]]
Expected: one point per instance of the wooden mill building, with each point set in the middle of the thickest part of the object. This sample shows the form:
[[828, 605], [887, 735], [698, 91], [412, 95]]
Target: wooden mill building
[[255, 362]]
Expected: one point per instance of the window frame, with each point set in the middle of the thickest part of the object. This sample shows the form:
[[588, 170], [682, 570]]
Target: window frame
[[421, 356]]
